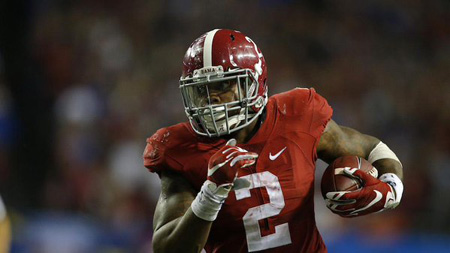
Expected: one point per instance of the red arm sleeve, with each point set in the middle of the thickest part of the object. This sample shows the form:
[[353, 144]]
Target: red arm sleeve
[[156, 157], [310, 111], [321, 114], [308, 106], [152, 156]]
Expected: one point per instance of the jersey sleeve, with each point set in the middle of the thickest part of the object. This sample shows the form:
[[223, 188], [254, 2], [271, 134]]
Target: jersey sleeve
[[156, 153], [305, 110], [306, 105], [321, 113], [152, 156]]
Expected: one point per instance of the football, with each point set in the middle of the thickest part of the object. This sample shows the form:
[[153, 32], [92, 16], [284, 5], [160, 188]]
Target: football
[[334, 178]]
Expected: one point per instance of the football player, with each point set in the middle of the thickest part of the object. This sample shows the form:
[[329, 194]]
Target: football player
[[239, 176]]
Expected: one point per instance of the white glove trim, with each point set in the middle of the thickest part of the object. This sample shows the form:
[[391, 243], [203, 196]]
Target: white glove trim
[[377, 198], [396, 184]]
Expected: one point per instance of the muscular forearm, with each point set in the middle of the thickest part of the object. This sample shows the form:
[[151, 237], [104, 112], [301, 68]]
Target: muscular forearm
[[388, 166], [176, 227], [339, 141], [187, 233], [182, 221], [385, 160]]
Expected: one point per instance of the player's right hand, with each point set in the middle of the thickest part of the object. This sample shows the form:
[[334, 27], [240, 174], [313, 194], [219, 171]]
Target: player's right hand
[[222, 175], [224, 164]]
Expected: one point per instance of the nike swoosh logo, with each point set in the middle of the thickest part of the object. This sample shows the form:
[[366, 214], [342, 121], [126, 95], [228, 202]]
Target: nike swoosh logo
[[390, 200], [374, 201], [273, 157]]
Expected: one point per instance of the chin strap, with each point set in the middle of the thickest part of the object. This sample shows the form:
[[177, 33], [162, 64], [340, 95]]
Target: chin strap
[[233, 122]]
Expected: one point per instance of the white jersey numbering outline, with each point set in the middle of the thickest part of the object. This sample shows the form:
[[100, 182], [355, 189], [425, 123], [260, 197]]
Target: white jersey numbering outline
[[282, 236]]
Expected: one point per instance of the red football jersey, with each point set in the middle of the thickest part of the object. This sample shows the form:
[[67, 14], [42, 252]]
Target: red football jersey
[[276, 213]]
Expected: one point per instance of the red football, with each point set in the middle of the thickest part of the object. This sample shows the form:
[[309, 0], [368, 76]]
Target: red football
[[334, 178]]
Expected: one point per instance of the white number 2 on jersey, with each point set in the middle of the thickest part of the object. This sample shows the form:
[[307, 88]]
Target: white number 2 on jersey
[[281, 236]]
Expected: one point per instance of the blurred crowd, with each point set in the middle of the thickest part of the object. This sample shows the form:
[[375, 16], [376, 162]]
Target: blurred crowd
[[111, 70]]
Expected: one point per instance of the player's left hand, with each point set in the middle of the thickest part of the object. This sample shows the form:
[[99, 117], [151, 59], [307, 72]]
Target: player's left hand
[[374, 196]]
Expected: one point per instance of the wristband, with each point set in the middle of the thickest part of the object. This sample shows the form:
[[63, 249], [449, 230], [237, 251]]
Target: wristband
[[396, 184], [209, 200], [382, 151]]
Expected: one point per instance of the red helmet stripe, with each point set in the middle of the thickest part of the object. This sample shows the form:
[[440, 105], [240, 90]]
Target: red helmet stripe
[[207, 48]]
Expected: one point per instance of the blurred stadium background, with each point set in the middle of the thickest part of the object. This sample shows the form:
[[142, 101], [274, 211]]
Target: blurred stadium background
[[83, 83]]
